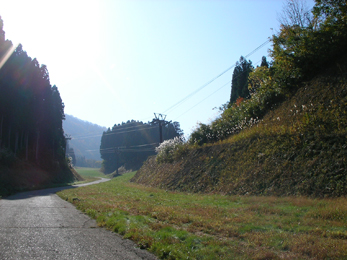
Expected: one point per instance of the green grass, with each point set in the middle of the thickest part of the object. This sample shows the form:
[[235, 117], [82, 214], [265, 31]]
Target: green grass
[[176, 225], [89, 172]]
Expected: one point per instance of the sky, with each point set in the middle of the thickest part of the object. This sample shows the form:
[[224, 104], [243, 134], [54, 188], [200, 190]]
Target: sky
[[120, 60]]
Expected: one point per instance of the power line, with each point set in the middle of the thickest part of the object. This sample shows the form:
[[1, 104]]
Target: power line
[[226, 84], [133, 128], [125, 147], [209, 95], [113, 132], [213, 79]]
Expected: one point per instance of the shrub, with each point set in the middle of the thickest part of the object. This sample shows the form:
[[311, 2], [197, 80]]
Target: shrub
[[165, 151]]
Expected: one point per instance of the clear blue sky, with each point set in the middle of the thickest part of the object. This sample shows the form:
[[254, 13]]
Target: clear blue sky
[[114, 61]]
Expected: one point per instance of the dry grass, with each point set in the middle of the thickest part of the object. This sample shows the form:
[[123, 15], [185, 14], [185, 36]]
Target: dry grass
[[177, 225]]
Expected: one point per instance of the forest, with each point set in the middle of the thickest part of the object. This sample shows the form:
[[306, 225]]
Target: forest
[[31, 114], [130, 144]]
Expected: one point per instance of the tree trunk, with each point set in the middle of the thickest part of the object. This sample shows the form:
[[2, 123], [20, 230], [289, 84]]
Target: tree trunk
[[9, 138], [2, 121], [16, 142], [26, 145], [37, 146], [21, 140], [53, 150]]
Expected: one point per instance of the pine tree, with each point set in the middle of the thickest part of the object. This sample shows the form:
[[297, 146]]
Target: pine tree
[[239, 83]]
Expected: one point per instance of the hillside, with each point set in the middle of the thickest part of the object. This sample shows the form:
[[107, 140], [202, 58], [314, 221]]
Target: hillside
[[287, 134], [86, 137], [299, 148]]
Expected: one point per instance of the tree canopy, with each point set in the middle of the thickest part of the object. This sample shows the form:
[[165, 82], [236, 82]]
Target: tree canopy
[[129, 144], [239, 82], [307, 44], [31, 110]]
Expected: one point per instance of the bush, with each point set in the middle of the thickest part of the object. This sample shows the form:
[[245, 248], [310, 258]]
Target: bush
[[165, 151]]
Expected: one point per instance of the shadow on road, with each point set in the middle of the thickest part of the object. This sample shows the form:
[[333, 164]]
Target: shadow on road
[[49, 191]]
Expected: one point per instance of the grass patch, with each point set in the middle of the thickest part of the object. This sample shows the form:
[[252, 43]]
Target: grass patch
[[175, 225], [89, 174]]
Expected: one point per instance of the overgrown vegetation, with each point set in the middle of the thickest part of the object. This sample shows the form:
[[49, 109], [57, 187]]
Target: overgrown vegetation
[[176, 225], [289, 137], [301, 51]]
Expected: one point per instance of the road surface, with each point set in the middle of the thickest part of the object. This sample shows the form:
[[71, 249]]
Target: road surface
[[40, 225]]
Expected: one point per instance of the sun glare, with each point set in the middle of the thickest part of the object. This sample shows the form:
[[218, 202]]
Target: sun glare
[[61, 29], [7, 55]]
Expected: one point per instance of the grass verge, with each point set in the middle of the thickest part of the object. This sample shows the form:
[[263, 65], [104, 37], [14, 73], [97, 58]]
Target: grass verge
[[176, 225]]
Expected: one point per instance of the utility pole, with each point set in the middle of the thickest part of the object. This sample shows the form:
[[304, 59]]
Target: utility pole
[[67, 138], [160, 119], [116, 151]]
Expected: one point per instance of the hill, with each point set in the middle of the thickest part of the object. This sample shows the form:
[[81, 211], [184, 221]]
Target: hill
[[299, 148], [287, 135], [86, 137]]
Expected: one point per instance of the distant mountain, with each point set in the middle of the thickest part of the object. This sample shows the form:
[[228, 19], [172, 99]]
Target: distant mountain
[[85, 137]]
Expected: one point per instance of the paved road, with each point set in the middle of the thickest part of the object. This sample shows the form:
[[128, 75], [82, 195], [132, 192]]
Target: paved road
[[40, 225]]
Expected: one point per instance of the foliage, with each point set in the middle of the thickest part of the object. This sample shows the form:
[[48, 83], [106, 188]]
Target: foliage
[[300, 52], [239, 83], [175, 225], [242, 114], [129, 144], [295, 12], [299, 148], [305, 46], [31, 114], [165, 151]]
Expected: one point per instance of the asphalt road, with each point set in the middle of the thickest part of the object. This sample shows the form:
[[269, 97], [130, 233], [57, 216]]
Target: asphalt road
[[40, 225]]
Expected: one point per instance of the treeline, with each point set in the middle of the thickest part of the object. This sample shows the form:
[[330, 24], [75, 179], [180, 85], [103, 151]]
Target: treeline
[[81, 161], [130, 144], [31, 111], [307, 43]]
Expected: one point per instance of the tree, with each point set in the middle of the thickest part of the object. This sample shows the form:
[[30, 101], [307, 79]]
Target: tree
[[299, 52], [264, 62], [31, 110], [239, 83], [296, 12], [331, 12], [129, 144]]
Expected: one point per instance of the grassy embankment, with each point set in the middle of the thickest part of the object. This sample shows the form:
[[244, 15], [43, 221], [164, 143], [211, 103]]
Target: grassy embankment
[[176, 225], [297, 149]]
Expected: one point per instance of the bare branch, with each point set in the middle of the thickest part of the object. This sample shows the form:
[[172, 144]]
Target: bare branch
[[295, 12]]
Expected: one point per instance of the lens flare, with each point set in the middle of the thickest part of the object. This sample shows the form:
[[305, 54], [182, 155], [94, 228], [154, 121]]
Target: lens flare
[[7, 55]]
